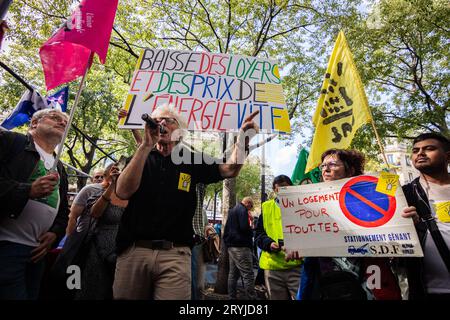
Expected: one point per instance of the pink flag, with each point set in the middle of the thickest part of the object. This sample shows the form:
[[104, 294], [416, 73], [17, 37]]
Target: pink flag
[[65, 55]]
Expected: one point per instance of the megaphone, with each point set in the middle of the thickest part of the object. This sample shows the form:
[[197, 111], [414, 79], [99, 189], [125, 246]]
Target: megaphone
[[152, 124]]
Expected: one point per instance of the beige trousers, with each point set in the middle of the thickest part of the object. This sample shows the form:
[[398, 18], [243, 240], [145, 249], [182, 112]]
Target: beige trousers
[[143, 274]]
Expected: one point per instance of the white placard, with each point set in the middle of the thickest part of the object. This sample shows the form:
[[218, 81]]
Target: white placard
[[346, 218], [213, 92]]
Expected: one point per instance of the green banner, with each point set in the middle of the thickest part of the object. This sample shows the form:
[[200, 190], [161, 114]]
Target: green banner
[[299, 176]]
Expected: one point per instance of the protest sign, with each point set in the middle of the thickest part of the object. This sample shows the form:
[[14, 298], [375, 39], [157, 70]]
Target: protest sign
[[214, 92], [345, 218]]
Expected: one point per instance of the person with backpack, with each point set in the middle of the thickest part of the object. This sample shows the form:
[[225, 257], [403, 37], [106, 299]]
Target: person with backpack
[[34, 212], [429, 197]]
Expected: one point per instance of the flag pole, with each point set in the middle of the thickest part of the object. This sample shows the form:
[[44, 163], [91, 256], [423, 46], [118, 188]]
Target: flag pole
[[72, 113], [16, 76], [83, 174], [379, 144]]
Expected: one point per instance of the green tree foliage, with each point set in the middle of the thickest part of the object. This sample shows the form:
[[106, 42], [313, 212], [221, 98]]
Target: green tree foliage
[[248, 183], [403, 53], [400, 47], [31, 24], [276, 29]]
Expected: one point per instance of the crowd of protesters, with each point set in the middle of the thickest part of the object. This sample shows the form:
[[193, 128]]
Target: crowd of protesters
[[132, 231]]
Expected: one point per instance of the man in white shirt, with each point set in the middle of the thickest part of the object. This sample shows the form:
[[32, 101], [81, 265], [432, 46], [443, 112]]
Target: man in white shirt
[[429, 195], [34, 209]]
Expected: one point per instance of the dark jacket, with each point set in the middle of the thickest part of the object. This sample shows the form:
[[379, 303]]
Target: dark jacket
[[416, 196], [238, 232], [263, 241], [18, 160]]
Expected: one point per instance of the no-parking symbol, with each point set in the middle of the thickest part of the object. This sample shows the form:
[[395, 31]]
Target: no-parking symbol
[[363, 205]]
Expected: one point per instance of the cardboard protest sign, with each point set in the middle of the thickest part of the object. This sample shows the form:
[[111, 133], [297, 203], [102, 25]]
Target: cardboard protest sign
[[347, 218], [214, 92]]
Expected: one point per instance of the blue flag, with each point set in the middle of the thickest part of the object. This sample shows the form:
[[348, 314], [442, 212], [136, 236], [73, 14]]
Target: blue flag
[[60, 99], [32, 102]]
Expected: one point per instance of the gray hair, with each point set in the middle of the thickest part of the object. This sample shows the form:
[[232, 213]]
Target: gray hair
[[169, 108], [43, 112]]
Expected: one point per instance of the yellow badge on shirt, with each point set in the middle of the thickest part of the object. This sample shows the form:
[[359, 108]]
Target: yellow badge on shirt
[[442, 210], [387, 183], [185, 182]]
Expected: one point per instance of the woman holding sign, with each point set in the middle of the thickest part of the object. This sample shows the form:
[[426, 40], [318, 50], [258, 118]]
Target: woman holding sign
[[341, 278]]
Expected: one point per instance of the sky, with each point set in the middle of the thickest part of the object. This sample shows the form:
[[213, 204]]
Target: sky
[[285, 159], [280, 157]]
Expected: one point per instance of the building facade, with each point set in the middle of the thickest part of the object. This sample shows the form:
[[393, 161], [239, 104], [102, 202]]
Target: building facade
[[399, 156]]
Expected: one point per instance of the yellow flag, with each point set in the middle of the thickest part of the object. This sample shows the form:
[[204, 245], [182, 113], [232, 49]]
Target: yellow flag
[[342, 106]]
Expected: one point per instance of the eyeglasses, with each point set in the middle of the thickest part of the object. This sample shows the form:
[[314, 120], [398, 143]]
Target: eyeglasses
[[168, 120], [56, 118], [333, 165], [98, 177]]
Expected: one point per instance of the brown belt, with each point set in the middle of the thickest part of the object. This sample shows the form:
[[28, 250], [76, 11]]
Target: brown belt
[[158, 244]]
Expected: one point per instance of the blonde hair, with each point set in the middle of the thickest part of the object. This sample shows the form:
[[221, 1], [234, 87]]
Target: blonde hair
[[248, 200]]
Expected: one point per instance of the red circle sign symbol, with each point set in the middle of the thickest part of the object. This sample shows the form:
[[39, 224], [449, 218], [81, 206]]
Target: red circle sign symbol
[[364, 206]]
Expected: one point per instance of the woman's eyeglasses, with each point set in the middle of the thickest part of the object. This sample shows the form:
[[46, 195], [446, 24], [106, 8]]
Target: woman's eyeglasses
[[333, 165]]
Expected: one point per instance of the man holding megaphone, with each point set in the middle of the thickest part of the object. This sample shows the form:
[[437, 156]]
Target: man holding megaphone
[[155, 236]]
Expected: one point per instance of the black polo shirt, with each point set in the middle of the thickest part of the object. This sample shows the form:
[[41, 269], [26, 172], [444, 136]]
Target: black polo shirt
[[163, 206]]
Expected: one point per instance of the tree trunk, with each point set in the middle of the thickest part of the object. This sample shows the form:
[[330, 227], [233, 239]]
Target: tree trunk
[[228, 202], [81, 182]]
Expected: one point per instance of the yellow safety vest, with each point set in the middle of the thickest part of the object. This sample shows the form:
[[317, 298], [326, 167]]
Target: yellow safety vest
[[274, 230]]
